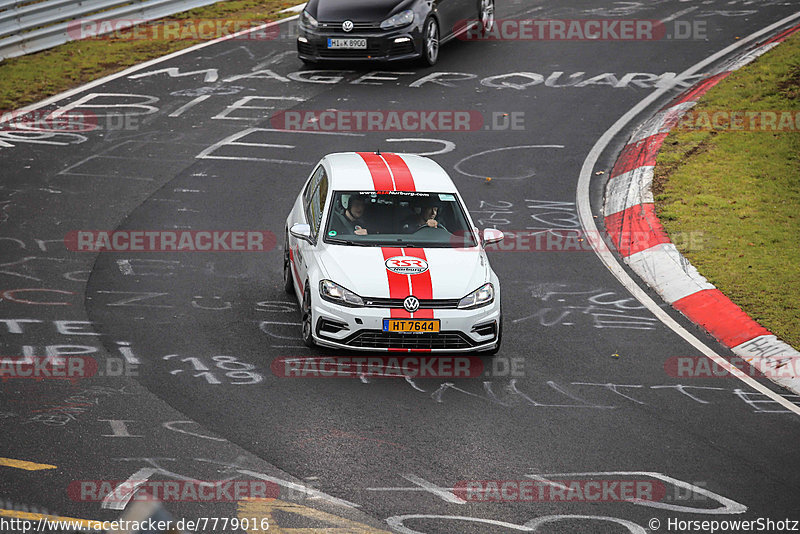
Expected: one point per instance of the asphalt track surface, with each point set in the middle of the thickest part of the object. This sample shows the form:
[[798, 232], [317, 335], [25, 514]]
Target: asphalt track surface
[[388, 447]]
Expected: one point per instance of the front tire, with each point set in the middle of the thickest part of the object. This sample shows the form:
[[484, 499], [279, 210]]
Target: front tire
[[307, 324], [430, 42]]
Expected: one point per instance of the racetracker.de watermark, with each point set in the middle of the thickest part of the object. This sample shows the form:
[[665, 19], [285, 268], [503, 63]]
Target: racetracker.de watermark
[[531, 490], [584, 30], [703, 367], [336, 120], [405, 366], [740, 120], [571, 240], [68, 367], [39, 120], [172, 490], [170, 241], [172, 30]]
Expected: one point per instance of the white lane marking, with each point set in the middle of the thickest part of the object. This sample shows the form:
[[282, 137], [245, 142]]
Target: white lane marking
[[311, 492], [396, 522], [119, 428], [548, 482], [447, 146], [178, 112], [728, 506], [608, 258], [680, 13], [445, 494], [170, 425], [122, 494], [127, 353], [209, 75], [502, 149], [233, 140]]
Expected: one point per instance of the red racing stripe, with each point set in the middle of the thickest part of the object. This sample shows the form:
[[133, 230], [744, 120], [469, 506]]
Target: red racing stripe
[[421, 283], [398, 283], [381, 177], [403, 180], [720, 316]]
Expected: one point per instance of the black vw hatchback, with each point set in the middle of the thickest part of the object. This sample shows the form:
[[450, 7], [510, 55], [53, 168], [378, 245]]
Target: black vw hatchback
[[386, 30]]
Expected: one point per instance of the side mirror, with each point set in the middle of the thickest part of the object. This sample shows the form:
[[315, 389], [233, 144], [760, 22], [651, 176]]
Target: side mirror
[[491, 235], [302, 231]]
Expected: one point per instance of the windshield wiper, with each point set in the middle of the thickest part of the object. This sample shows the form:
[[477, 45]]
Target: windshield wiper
[[347, 242], [399, 243]]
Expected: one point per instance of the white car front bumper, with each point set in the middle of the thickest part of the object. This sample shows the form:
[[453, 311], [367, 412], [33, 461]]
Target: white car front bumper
[[362, 329]]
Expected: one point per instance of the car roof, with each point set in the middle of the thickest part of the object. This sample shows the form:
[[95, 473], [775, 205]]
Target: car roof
[[348, 171]]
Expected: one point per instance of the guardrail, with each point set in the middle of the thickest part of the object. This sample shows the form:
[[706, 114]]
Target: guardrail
[[27, 27]]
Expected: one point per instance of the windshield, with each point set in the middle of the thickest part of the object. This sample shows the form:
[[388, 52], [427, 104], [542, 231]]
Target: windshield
[[398, 218]]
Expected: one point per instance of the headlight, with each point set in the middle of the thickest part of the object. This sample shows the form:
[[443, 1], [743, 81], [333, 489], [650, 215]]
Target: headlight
[[333, 292], [404, 18], [480, 297], [308, 20]]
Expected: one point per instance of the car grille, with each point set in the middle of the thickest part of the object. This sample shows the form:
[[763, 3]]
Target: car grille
[[349, 53], [376, 339], [336, 27], [431, 304]]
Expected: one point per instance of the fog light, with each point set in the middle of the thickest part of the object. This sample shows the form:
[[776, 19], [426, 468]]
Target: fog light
[[402, 39], [302, 39]]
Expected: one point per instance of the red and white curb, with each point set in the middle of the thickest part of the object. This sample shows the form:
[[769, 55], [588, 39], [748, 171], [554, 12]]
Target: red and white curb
[[635, 230]]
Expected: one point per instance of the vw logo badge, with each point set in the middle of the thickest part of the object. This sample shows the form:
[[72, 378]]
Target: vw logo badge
[[347, 25], [411, 304]]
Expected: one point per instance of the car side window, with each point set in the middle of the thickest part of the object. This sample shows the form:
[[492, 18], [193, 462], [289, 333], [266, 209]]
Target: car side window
[[312, 183], [322, 195], [316, 196]]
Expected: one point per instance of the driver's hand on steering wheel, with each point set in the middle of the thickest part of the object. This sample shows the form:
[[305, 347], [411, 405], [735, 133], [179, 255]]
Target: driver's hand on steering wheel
[[433, 223]]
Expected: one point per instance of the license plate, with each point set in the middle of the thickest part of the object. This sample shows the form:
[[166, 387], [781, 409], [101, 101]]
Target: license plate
[[347, 43], [410, 325]]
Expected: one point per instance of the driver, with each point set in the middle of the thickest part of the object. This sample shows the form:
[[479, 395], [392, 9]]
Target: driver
[[426, 213], [353, 220]]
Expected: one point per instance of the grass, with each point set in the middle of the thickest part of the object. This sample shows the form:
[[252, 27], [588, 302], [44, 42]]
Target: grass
[[34, 77], [741, 189]]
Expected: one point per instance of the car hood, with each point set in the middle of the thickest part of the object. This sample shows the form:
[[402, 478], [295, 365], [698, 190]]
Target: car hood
[[454, 273], [355, 10]]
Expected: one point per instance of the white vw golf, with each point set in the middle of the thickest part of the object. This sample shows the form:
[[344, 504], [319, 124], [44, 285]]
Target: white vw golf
[[383, 255]]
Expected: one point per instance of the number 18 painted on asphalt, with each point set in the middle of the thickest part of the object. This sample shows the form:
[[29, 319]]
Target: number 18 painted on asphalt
[[237, 372]]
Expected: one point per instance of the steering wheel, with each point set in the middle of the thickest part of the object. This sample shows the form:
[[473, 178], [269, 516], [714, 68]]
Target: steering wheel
[[429, 228]]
